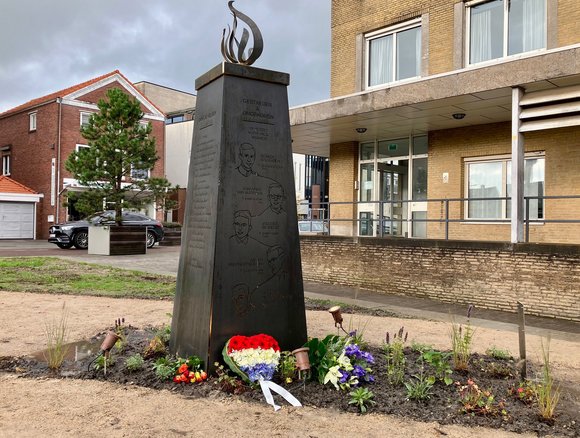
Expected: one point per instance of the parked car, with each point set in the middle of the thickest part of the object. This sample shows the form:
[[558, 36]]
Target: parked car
[[312, 227], [77, 233]]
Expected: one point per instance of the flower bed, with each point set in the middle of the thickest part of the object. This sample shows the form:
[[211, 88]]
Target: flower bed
[[487, 394]]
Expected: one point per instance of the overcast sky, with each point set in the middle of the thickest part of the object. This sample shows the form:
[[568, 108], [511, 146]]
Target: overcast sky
[[48, 45]]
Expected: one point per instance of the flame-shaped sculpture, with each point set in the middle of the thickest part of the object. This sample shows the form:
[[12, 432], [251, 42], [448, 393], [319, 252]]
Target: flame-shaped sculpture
[[228, 43]]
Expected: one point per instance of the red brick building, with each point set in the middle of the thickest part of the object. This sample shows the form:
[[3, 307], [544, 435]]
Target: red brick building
[[37, 137]]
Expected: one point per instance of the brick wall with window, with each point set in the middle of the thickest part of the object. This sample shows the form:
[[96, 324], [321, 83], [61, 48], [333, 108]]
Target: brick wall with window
[[485, 30], [452, 151]]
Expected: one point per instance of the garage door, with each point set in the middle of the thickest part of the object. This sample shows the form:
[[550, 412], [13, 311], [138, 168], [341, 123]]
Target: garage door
[[16, 220]]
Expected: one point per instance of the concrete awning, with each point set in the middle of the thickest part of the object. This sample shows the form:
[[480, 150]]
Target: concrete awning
[[483, 93]]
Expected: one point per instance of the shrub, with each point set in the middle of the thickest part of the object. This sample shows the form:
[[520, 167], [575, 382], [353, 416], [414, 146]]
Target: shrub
[[134, 363]]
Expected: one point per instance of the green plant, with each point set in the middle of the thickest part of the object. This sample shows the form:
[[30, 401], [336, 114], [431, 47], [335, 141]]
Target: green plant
[[103, 359], [461, 342], [440, 363], [323, 354], [287, 366], [135, 363], [498, 353], [420, 347], [227, 383], [165, 368], [395, 357], [121, 333], [499, 369], [56, 333], [547, 393], [479, 402], [525, 392], [420, 388], [362, 398]]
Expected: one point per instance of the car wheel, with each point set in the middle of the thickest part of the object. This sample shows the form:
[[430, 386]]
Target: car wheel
[[64, 245], [151, 239], [81, 240]]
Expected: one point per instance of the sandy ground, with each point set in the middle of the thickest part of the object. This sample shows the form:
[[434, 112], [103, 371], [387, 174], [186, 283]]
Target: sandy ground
[[42, 407]]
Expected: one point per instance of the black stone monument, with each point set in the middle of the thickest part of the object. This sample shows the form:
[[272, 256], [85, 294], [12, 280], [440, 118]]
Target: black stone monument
[[239, 269]]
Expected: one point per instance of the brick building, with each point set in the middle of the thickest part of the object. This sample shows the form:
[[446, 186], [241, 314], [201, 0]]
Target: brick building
[[37, 137], [465, 111]]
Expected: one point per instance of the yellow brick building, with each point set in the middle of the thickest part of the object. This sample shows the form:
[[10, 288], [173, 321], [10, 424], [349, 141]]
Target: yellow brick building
[[451, 118]]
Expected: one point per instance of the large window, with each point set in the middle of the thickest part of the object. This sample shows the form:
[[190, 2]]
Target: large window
[[492, 179], [500, 28], [393, 54]]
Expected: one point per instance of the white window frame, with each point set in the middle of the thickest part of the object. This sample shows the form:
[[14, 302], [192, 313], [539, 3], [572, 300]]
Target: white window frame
[[505, 48], [504, 159], [392, 30], [32, 121], [6, 164], [85, 114]]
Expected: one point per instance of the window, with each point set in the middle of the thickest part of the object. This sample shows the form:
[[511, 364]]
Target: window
[[393, 54], [32, 122], [139, 173], [82, 147], [85, 118], [500, 28], [492, 179], [6, 164], [175, 119]]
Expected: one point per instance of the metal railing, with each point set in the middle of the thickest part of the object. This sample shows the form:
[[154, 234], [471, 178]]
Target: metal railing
[[381, 224]]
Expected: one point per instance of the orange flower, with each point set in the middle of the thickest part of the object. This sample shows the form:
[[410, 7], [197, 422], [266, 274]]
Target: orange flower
[[182, 369]]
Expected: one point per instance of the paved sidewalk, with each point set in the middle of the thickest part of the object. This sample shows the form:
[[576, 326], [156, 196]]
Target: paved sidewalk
[[165, 260]]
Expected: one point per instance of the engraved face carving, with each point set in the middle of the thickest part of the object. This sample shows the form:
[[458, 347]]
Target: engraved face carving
[[242, 224], [247, 156], [276, 197]]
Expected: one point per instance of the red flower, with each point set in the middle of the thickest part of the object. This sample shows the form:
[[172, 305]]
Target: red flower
[[182, 369]]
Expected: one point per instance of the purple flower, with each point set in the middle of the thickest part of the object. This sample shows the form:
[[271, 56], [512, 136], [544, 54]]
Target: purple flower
[[352, 350], [345, 375], [367, 357], [358, 371]]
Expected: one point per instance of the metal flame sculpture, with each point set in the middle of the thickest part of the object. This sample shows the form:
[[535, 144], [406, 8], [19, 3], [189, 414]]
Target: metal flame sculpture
[[234, 50]]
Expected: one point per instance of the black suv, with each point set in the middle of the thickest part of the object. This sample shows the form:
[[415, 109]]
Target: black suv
[[77, 233]]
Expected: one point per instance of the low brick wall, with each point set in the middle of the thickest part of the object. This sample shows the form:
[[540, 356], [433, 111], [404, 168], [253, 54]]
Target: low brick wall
[[545, 278]]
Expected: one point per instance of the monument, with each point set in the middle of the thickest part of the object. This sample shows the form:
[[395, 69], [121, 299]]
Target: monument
[[239, 269]]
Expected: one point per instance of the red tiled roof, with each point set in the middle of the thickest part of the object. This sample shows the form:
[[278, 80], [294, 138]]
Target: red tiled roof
[[8, 185], [66, 91], [53, 96]]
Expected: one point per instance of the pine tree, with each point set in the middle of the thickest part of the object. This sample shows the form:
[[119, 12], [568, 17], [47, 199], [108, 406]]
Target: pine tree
[[119, 145]]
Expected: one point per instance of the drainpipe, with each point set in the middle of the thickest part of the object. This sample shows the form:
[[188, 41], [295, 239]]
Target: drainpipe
[[58, 191]]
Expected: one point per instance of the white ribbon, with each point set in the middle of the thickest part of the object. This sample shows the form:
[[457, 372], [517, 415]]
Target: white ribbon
[[268, 386]]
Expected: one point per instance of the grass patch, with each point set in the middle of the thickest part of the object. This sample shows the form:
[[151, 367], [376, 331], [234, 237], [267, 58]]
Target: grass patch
[[56, 276]]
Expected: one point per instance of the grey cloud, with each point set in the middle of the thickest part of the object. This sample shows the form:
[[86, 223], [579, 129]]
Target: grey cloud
[[49, 45]]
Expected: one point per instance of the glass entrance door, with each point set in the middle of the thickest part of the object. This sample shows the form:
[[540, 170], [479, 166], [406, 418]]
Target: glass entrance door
[[393, 189]]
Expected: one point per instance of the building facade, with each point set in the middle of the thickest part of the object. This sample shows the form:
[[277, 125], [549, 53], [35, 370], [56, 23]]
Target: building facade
[[179, 109], [37, 137], [451, 119]]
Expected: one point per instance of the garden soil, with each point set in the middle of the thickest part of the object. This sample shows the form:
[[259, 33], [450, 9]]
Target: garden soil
[[42, 406]]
